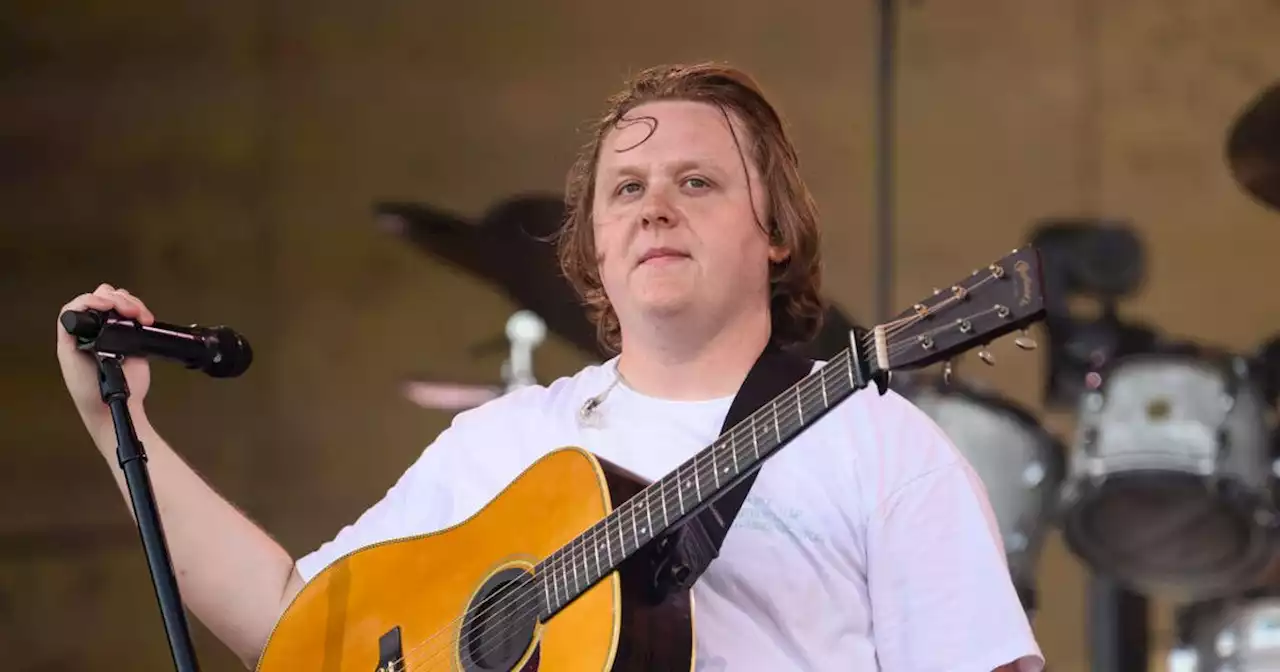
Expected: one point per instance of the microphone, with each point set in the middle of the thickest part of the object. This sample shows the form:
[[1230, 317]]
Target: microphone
[[217, 351]]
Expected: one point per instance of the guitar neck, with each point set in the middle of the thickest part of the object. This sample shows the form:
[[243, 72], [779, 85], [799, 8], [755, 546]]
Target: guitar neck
[[683, 493]]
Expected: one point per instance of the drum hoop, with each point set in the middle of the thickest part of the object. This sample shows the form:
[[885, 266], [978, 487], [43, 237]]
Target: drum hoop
[[1242, 499], [1003, 404], [1223, 363], [1056, 458]]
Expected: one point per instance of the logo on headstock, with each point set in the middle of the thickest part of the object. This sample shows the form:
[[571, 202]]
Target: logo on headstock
[[1023, 269]]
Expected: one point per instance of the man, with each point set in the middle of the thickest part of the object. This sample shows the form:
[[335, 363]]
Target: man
[[865, 544]]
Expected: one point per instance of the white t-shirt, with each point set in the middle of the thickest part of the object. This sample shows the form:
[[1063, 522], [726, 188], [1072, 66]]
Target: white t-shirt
[[867, 543]]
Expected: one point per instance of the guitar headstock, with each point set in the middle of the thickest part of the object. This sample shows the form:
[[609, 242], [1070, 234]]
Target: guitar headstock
[[1006, 296]]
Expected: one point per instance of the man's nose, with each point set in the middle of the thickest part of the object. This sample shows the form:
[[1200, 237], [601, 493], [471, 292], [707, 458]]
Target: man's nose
[[657, 210]]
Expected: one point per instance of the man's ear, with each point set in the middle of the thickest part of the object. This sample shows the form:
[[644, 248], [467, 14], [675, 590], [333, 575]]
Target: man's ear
[[777, 254]]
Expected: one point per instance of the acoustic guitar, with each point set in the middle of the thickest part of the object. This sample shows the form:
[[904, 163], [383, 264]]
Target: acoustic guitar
[[551, 574]]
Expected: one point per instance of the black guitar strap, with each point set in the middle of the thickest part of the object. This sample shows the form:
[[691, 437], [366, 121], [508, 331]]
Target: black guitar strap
[[697, 542]]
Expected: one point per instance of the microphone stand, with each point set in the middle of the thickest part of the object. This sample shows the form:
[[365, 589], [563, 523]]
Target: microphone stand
[[132, 459]]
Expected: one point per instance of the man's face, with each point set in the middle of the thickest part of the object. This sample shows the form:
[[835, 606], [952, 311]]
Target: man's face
[[673, 220]]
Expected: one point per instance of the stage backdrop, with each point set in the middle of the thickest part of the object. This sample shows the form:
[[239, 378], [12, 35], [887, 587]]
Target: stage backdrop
[[220, 161]]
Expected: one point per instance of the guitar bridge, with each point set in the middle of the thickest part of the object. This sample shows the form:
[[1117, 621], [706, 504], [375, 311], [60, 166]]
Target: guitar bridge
[[390, 652]]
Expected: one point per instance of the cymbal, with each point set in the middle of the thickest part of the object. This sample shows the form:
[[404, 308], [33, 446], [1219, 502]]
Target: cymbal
[[508, 246], [1253, 147]]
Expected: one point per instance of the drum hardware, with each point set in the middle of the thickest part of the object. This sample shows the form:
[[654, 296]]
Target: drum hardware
[[524, 332], [1088, 260], [1266, 361], [1240, 633], [1170, 475], [1019, 462]]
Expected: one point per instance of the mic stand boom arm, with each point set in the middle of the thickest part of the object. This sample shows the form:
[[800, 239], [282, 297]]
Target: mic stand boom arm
[[132, 459]]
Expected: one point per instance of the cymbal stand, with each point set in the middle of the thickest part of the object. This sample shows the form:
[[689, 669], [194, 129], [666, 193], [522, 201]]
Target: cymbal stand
[[525, 331]]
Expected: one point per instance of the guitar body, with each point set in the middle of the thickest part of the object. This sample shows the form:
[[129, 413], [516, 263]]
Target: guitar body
[[399, 605]]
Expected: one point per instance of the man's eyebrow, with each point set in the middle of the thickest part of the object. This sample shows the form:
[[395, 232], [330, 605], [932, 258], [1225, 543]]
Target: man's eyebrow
[[620, 170], [680, 166], [697, 162]]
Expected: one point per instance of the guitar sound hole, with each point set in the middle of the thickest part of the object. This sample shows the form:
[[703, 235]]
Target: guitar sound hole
[[499, 624]]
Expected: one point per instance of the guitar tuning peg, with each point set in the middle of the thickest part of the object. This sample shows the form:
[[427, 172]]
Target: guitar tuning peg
[[1025, 342], [985, 355]]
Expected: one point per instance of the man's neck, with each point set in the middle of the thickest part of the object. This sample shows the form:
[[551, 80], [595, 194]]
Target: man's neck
[[688, 366]]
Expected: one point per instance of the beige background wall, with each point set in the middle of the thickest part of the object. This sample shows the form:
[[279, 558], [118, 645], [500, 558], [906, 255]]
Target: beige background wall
[[220, 162]]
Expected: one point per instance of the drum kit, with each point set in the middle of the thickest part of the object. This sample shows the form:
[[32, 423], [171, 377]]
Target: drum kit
[[1235, 624], [1168, 484]]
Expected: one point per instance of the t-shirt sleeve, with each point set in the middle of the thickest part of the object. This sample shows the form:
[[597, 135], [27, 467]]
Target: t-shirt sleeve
[[451, 480], [941, 594]]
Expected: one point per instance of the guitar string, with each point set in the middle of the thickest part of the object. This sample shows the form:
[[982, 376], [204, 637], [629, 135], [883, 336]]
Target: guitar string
[[522, 585], [516, 591]]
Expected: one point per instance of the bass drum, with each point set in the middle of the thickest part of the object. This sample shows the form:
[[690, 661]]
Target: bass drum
[[1170, 475], [1239, 634], [1018, 461]]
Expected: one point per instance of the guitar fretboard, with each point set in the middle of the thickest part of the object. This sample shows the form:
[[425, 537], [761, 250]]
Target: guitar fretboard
[[669, 501]]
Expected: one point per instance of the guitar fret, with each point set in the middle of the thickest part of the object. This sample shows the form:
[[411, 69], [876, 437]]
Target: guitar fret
[[622, 543], [684, 506], [576, 581], [634, 532], [547, 594], [679, 493], [715, 470], [555, 581], [564, 568], [755, 442], [596, 548], [697, 487], [604, 541], [733, 445], [799, 407], [822, 380], [776, 429], [662, 491], [648, 510]]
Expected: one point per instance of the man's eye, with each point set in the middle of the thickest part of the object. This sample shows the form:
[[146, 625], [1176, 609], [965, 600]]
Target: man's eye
[[627, 187], [697, 183]]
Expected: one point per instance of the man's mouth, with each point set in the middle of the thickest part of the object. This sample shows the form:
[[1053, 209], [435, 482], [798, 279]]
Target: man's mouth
[[660, 254]]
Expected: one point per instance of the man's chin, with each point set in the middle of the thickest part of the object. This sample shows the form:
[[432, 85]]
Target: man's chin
[[666, 306]]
